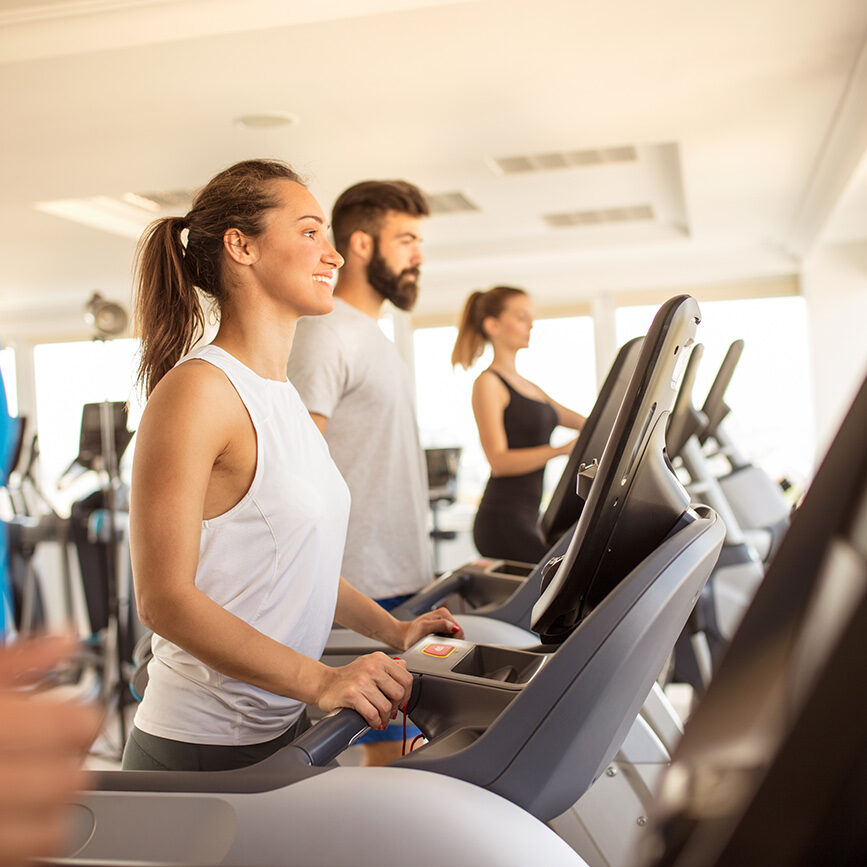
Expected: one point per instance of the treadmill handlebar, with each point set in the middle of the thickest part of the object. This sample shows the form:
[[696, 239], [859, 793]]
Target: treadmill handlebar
[[431, 596], [310, 753], [334, 733], [331, 736]]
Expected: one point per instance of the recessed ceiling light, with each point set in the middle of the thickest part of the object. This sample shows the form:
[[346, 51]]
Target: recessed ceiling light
[[266, 120]]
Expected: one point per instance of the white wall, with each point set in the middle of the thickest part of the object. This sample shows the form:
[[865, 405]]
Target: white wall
[[834, 283]]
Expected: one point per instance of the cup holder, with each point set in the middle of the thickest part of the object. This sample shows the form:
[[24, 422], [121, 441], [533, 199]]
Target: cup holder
[[500, 663]]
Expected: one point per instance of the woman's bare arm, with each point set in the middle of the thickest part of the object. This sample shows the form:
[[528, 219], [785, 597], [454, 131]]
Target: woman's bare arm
[[490, 398]]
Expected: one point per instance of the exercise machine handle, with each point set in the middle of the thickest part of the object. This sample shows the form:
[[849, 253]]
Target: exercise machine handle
[[431, 596], [331, 736]]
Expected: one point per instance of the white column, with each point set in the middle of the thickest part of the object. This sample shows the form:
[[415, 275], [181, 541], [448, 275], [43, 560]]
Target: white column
[[25, 380], [834, 284], [605, 334], [403, 340]]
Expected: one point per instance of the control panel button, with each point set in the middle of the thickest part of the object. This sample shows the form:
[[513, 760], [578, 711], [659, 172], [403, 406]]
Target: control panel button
[[439, 650]]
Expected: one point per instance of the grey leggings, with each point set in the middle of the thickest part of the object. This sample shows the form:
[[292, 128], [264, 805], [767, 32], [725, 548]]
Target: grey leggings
[[144, 752]]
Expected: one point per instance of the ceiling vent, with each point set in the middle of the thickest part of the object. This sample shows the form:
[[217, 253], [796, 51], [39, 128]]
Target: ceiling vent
[[522, 164], [602, 216], [450, 203]]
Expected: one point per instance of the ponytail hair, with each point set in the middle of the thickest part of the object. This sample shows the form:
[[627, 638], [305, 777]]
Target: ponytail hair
[[479, 306], [169, 274]]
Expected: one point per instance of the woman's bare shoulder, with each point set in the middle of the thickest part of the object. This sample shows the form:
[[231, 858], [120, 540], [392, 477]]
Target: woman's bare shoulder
[[488, 378], [194, 390], [489, 388]]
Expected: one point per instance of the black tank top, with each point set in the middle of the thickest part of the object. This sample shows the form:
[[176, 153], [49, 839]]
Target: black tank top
[[527, 423]]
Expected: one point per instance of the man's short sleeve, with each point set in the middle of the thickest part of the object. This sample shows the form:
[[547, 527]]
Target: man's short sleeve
[[317, 366]]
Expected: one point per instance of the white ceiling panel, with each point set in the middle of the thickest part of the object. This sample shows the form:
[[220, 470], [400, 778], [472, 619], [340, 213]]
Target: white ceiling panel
[[729, 106]]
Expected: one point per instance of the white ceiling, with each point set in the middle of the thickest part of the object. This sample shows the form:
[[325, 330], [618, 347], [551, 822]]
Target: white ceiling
[[749, 119]]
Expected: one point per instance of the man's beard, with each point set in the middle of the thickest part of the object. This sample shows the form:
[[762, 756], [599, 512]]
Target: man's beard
[[401, 289]]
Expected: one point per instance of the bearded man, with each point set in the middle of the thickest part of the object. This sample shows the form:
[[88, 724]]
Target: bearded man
[[359, 393]]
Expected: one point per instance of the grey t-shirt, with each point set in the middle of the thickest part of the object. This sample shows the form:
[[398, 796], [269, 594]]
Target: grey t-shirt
[[347, 370]]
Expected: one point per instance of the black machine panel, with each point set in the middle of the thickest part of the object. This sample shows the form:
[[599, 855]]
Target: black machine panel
[[635, 499]]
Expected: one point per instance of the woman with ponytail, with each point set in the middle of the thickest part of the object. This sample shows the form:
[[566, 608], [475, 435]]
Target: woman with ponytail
[[515, 420], [238, 514]]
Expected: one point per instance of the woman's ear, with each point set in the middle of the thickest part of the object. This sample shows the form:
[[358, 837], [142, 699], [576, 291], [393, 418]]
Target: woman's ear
[[490, 326], [240, 248]]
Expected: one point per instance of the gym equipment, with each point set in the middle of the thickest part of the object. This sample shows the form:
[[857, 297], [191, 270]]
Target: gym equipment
[[757, 502], [500, 595], [504, 725], [96, 530], [773, 765], [507, 590], [566, 501], [102, 549], [442, 479], [10, 443], [739, 569], [27, 528]]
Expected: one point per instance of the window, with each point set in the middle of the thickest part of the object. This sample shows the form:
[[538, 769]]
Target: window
[[7, 369], [68, 375], [772, 417]]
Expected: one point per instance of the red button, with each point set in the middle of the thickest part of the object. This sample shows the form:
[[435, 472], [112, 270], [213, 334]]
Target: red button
[[441, 650]]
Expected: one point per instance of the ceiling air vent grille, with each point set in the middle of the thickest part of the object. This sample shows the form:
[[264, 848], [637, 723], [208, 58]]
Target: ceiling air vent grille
[[450, 203], [522, 164], [631, 214]]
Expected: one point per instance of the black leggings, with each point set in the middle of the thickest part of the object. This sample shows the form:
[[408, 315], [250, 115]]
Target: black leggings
[[508, 535], [144, 752]]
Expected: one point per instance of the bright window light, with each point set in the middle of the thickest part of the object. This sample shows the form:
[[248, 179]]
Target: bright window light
[[69, 375], [386, 325], [771, 420]]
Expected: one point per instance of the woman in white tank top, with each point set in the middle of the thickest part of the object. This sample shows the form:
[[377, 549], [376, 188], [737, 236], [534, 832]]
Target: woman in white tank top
[[238, 515]]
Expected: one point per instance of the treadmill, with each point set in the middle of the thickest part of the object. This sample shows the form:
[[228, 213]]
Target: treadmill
[[515, 736], [773, 765], [739, 570], [506, 590], [759, 505]]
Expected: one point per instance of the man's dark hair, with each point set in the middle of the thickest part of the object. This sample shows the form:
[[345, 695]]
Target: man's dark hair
[[363, 207]]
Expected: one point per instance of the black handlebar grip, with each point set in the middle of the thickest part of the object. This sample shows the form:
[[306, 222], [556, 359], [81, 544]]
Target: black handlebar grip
[[331, 736], [431, 596]]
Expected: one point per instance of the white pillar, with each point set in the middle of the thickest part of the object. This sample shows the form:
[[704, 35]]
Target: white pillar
[[834, 284], [605, 334], [25, 380], [403, 340]]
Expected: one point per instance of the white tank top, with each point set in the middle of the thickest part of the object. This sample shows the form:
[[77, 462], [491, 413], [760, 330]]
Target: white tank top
[[273, 560]]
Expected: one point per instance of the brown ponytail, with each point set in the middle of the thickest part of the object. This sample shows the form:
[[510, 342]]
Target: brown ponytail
[[471, 333], [168, 314]]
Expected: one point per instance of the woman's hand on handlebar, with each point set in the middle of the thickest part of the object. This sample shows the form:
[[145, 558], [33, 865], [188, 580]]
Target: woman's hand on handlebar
[[436, 622], [566, 448], [375, 685]]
